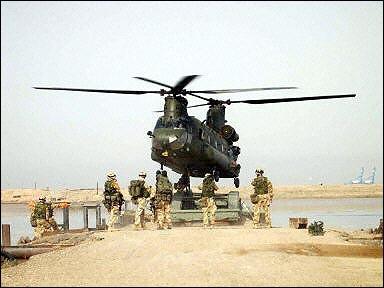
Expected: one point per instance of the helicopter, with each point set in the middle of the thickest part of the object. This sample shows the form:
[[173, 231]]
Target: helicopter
[[191, 147]]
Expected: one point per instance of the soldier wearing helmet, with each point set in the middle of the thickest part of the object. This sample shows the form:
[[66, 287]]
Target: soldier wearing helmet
[[113, 199], [261, 198], [42, 217], [163, 200], [140, 191], [207, 200]]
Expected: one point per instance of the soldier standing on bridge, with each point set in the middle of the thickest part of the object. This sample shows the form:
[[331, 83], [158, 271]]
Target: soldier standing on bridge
[[163, 199], [261, 198], [207, 200]]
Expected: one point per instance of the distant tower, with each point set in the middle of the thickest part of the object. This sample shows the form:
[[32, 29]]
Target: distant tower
[[371, 179], [359, 179]]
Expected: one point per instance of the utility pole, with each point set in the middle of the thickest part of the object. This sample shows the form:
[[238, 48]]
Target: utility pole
[[97, 187]]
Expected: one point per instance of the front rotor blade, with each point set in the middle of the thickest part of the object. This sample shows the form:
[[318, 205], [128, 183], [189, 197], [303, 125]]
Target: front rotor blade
[[182, 83], [206, 99], [240, 90], [154, 82], [266, 101], [99, 90]]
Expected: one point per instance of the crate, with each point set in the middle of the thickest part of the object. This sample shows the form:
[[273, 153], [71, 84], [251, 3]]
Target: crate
[[298, 223]]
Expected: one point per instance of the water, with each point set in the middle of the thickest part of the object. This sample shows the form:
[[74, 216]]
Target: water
[[344, 213], [18, 216]]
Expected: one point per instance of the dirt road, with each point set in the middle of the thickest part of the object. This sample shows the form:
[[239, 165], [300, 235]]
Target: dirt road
[[192, 256]]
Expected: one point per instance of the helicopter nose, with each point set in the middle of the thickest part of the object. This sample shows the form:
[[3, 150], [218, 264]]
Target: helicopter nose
[[169, 139]]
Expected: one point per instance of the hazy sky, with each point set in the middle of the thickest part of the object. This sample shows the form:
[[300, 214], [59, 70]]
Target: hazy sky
[[71, 139]]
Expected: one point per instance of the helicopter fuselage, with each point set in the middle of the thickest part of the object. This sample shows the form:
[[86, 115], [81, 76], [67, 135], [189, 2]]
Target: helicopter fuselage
[[189, 146]]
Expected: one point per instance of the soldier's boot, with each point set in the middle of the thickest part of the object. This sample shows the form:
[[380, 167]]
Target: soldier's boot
[[256, 226], [136, 227], [169, 227]]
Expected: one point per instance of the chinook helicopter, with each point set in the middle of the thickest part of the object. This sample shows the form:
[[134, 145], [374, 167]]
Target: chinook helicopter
[[192, 147]]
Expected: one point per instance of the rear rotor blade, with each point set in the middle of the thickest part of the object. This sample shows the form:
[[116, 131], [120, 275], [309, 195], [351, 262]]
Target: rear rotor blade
[[240, 90], [203, 98], [100, 90], [266, 101], [198, 105]]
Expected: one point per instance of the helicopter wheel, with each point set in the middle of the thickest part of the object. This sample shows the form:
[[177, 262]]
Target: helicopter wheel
[[216, 175], [236, 181]]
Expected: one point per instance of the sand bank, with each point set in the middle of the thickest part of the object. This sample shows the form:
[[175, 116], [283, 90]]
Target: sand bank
[[192, 256]]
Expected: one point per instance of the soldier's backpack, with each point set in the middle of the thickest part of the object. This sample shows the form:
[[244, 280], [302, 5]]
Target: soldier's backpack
[[38, 213], [164, 186], [208, 189], [260, 185], [316, 228], [109, 188], [136, 189]]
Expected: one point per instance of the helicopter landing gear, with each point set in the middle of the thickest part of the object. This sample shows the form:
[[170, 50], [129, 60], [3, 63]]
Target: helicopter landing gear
[[183, 187], [216, 175], [236, 181]]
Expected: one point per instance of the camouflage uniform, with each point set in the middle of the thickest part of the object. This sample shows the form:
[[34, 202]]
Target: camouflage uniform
[[42, 218], [263, 196], [209, 208], [141, 202], [163, 201], [113, 199]]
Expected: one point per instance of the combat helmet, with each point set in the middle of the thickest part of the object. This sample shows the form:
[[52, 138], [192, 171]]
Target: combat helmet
[[111, 175], [42, 199], [207, 175], [259, 171], [164, 173], [143, 174]]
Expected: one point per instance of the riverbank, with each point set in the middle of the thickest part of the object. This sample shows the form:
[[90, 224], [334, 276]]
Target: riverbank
[[228, 256], [280, 192]]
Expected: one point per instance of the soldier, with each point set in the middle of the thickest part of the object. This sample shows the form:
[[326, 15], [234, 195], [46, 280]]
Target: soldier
[[113, 199], [42, 217], [163, 199], [261, 198], [207, 200], [153, 198], [140, 191]]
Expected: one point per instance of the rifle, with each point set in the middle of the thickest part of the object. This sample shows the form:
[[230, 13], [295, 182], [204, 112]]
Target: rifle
[[153, 208]]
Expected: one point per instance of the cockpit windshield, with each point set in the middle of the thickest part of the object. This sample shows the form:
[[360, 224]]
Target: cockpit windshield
[[171, 123]]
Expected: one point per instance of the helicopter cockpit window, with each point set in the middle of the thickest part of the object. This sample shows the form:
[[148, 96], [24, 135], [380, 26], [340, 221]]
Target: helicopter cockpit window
[[160, 123]]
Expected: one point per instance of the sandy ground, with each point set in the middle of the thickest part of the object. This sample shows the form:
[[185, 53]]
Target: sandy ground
[[292, 191], [193, 256]]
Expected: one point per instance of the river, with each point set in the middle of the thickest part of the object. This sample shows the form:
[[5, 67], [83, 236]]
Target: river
[[342, 213]]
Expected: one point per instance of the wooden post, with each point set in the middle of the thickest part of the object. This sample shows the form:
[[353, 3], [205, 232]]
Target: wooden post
[[6, 234], [66, 219], [98, 217], [103, 223], [85, 217]]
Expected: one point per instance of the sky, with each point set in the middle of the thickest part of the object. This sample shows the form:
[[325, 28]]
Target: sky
[[61, 139]]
